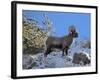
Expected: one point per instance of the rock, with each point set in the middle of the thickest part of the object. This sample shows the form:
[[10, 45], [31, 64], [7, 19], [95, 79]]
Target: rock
[[80, 58], [27, 62]]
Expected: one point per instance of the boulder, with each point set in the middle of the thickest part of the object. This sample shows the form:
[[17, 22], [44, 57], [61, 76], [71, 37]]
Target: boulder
[[81, 57]]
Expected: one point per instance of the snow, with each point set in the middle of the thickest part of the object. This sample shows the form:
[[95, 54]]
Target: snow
[[55, 58]]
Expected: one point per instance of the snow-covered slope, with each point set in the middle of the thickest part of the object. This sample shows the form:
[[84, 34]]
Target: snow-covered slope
[[55, 59]]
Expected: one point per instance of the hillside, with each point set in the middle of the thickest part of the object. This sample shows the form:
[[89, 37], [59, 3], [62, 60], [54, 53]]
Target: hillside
[[55, 59]]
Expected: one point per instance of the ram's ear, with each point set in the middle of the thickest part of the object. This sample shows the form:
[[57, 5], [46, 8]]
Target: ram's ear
[[71, 29]]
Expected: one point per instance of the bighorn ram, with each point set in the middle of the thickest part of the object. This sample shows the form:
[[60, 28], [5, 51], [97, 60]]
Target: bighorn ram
[[62, 43]]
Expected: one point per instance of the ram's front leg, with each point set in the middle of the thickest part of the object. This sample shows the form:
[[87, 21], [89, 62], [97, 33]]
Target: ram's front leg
[[63, 52], [66, 51]]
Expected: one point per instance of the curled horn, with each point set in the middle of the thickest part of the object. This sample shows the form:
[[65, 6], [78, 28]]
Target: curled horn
[[72, 29]]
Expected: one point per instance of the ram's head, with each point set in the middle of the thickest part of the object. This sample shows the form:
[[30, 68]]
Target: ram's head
[[72, 30]]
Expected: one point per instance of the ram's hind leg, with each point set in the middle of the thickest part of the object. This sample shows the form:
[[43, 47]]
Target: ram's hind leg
[[48, 50]]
